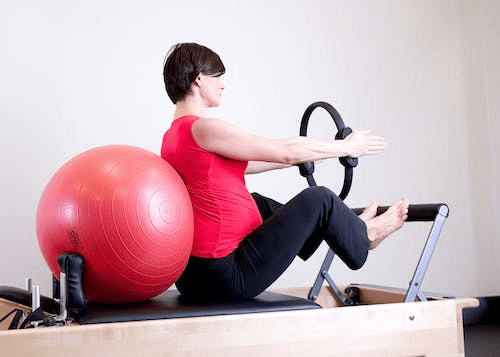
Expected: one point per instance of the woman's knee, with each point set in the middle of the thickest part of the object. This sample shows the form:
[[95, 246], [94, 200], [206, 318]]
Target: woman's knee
[[318, 193]]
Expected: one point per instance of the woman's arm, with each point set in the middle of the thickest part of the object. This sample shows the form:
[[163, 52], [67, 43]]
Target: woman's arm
[[255, 167], [228, 140]]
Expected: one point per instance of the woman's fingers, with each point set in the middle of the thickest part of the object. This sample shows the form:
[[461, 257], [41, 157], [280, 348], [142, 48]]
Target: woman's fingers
[[362, 143]]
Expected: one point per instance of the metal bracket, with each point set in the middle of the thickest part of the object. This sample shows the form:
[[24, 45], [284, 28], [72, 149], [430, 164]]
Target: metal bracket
[[36, 317]]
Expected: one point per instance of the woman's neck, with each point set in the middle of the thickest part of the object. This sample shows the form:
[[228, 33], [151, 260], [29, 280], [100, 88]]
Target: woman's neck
[[189, 107]]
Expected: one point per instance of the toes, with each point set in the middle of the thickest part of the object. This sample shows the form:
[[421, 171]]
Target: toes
[[370, 211], [372, 207], [405, 204]]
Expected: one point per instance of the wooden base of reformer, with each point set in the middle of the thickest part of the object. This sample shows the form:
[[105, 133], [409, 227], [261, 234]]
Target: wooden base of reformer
[[380, 327]]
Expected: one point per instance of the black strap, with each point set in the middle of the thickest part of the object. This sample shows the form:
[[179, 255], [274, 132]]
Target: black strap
[[14, 324]]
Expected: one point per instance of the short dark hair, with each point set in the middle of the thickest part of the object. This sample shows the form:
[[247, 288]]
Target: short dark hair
[[184, 62]]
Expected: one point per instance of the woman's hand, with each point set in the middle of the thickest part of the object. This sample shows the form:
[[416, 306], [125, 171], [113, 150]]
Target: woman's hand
[[361, 143]]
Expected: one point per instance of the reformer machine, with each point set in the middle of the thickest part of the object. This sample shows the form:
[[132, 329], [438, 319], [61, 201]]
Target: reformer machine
[[28, 309]]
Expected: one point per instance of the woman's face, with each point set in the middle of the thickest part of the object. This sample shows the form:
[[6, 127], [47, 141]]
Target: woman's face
[[211, 89]]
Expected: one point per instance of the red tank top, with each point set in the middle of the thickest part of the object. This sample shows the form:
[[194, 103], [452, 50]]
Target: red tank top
[[224, 210]]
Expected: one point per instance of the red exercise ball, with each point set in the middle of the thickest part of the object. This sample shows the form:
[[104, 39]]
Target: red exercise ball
[[127, 212]]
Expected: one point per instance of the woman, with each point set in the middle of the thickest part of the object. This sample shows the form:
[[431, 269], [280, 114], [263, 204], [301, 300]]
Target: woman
[[243, 242]]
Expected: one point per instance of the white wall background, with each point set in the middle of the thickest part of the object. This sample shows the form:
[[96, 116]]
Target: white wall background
[[424, 74]]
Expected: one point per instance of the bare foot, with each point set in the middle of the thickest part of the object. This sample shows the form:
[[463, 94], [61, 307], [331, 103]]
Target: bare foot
[[380, 227]]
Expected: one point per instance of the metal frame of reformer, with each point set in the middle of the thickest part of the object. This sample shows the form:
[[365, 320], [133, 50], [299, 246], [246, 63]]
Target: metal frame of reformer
[[417, 213]]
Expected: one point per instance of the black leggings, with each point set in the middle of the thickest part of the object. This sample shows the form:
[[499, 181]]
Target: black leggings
[[267, 252]]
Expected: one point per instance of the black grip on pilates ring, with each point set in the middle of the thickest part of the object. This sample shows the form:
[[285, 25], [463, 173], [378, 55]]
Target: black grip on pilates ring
[[307, 169]]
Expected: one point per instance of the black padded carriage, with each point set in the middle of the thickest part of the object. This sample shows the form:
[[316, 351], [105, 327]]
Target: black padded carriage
[[171, 304], [168, 305]]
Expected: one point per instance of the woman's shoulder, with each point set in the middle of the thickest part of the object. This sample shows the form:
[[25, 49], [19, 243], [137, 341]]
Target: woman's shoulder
[[213, 124]]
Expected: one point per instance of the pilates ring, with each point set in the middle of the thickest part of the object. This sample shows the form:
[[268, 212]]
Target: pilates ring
[[307, 169]]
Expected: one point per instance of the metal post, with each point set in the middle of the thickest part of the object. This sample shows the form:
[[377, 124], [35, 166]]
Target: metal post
[[425, 257]]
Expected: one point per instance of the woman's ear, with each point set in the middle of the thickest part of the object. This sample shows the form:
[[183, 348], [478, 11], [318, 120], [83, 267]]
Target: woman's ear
[[197, 81]]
